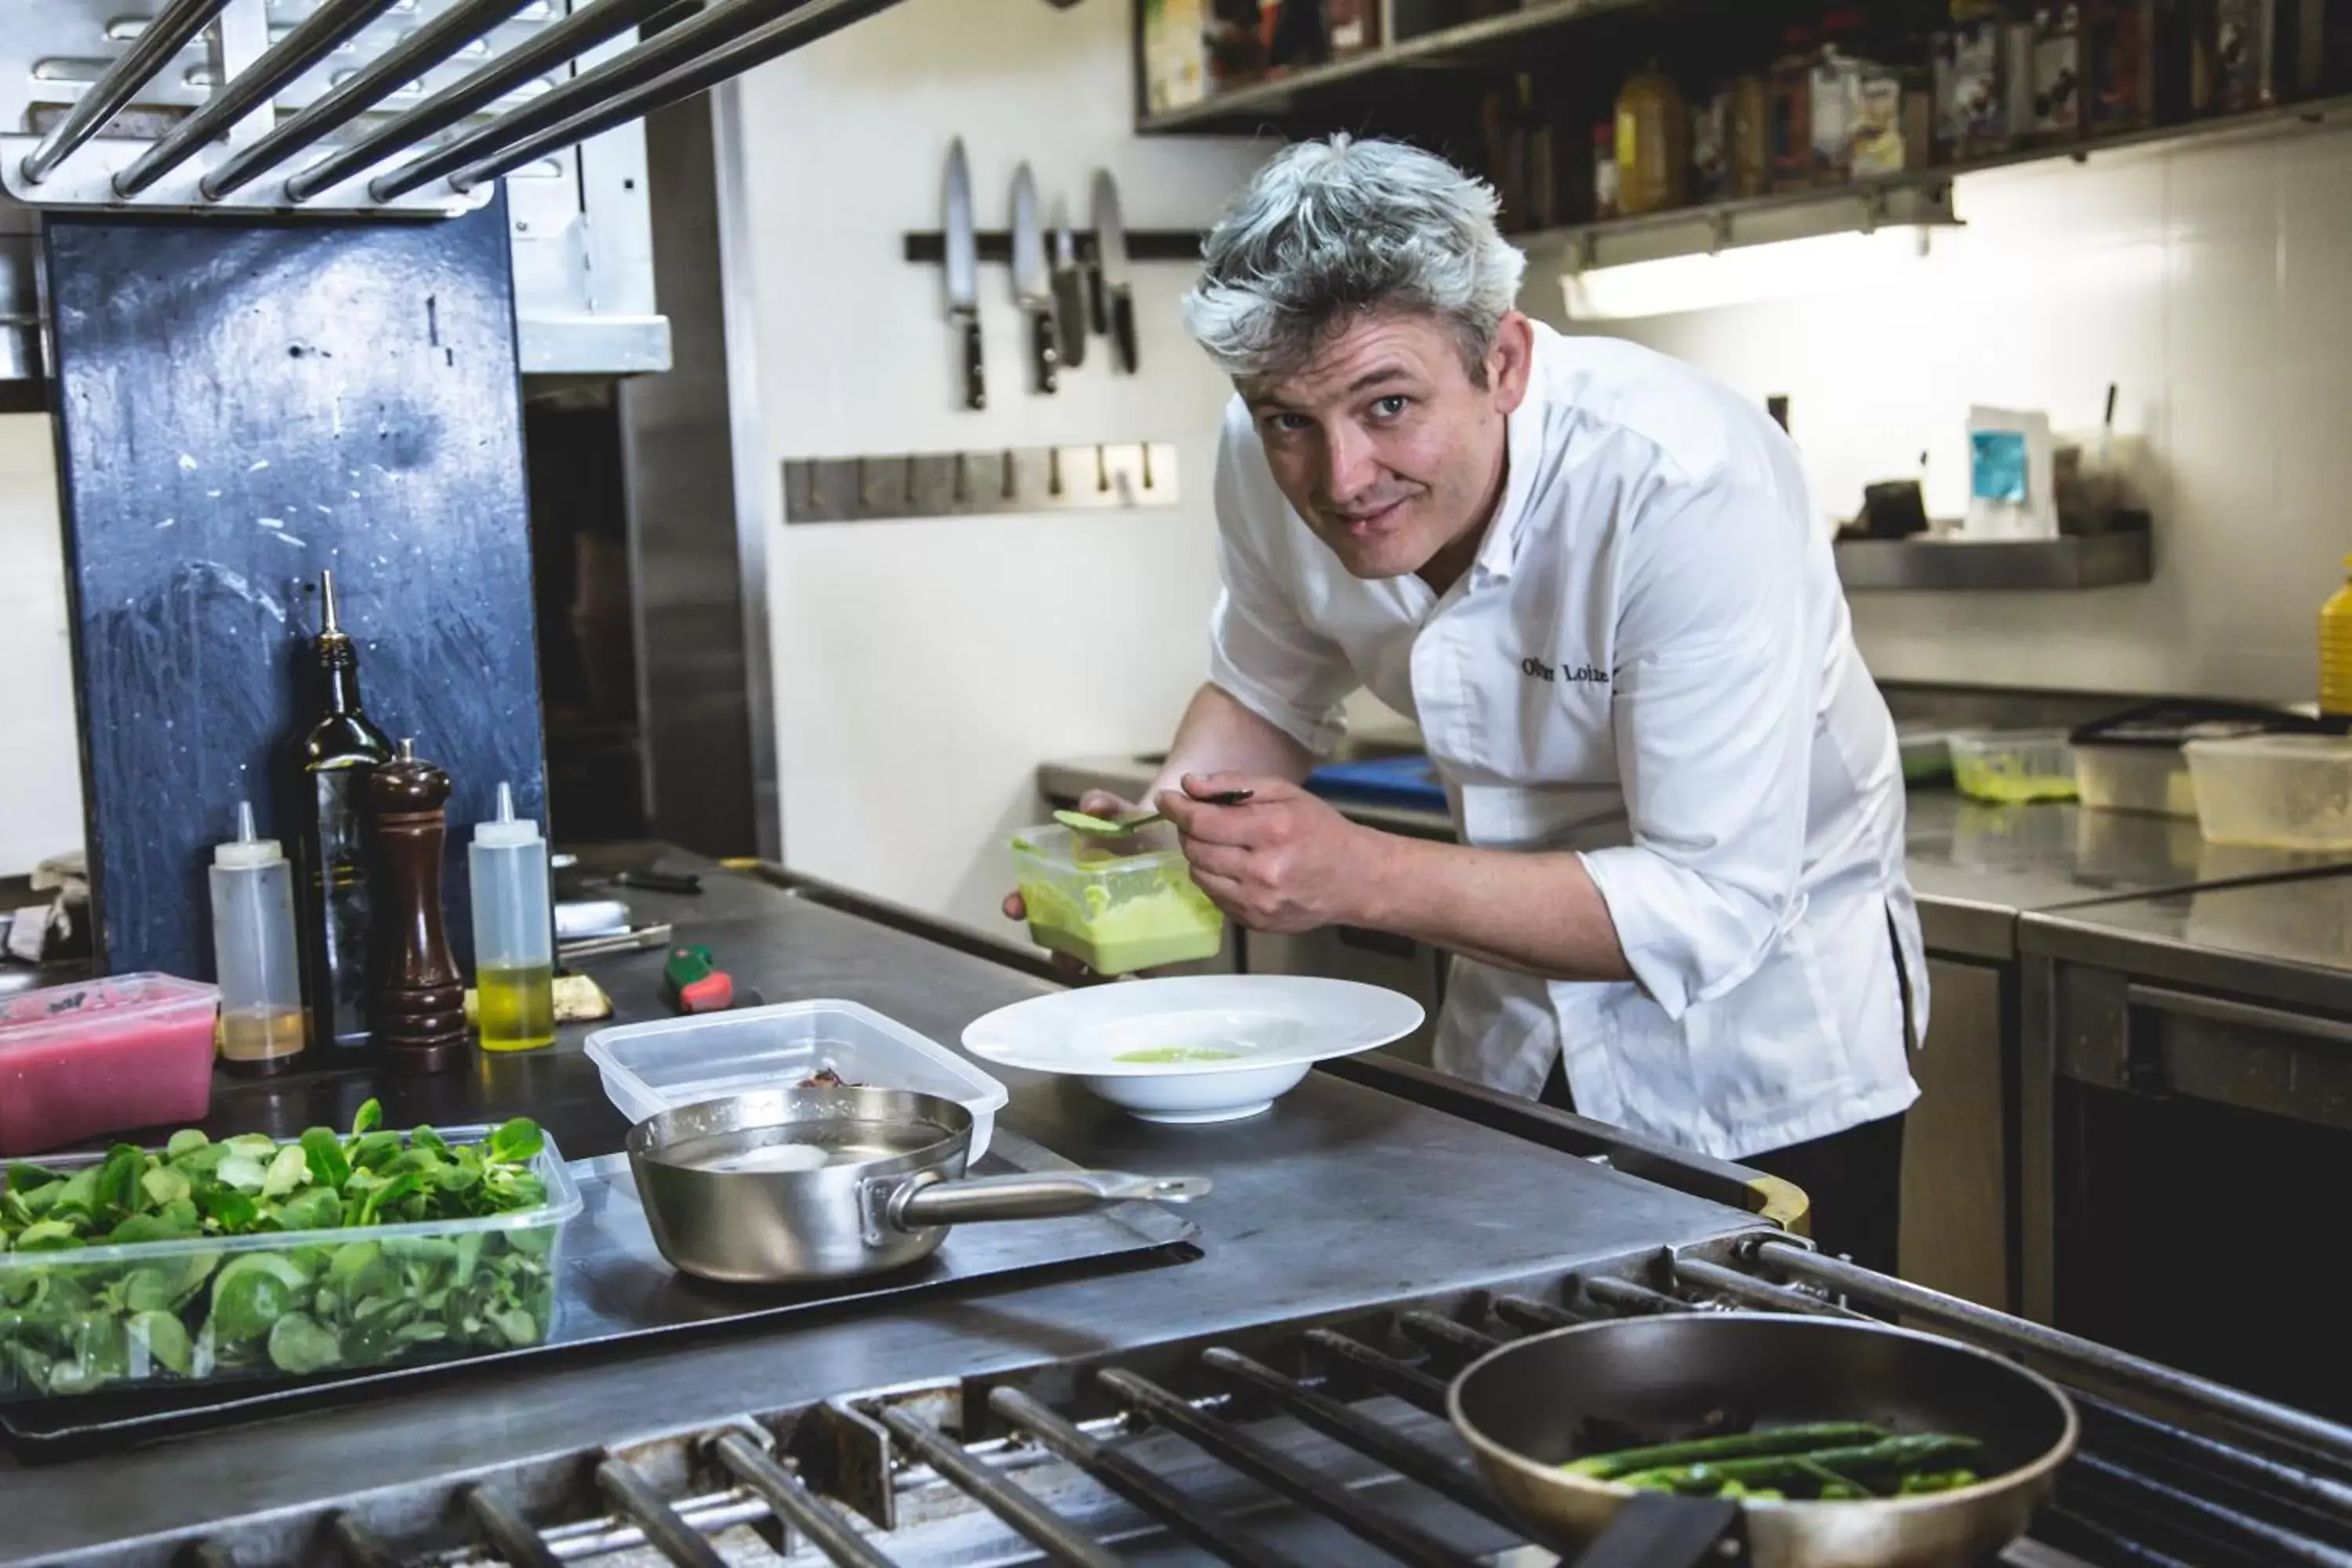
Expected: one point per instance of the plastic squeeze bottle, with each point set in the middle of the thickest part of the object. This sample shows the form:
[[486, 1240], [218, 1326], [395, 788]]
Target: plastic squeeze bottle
[[514, 932], [2335, 651], [263, 1028]]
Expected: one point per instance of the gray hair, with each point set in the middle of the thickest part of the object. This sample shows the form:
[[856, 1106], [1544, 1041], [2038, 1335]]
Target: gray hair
[[1331, 230]]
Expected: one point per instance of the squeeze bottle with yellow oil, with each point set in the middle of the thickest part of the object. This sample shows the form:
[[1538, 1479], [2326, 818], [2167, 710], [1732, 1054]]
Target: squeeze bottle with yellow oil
[[514, 932], [262, 1026], [2335, 651]]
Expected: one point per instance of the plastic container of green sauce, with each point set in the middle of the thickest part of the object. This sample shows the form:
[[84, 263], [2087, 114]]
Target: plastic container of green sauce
[[1116, 906]]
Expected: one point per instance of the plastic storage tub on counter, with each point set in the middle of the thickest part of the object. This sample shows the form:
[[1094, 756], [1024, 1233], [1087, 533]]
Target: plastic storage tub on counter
[[2133, 761], [2274, 792], [105, 1055], [1115, 913], [78, 1320], [650, 1068], [2010, 767], [2151, 780]]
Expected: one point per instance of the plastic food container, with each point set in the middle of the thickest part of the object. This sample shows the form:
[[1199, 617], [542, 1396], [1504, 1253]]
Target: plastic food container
[[650, 1068], [91, 1316], [2008, 767], [1115, 914], [2153, 780], [2133, 761], [2274, 792], [105, 1055], [1926, 755]]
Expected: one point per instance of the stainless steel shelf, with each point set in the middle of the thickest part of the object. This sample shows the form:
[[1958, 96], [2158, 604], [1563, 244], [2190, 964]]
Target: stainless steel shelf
[[1924, 199], [2099, 561]]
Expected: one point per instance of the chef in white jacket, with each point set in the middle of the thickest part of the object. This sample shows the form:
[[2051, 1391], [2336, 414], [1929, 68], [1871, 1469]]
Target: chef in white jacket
[[1594, 578]]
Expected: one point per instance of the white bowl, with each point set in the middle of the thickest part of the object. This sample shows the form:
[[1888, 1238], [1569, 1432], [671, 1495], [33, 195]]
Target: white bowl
[[1193, 1048]]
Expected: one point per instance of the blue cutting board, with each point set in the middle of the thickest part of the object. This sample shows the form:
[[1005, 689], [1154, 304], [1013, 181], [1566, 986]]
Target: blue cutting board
[[1392, 781]]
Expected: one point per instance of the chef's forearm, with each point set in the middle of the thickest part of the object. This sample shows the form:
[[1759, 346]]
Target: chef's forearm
[[1218, 735], [1540, 914]]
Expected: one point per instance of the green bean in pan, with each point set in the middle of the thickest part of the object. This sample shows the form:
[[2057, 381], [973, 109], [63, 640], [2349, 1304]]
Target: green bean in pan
[[1736, 1445]]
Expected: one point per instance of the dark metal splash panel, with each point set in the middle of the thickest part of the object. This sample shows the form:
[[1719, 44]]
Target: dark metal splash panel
[[239, 406]]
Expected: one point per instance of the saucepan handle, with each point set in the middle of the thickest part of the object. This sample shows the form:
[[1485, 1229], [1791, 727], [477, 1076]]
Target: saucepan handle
[[1044, 1195]]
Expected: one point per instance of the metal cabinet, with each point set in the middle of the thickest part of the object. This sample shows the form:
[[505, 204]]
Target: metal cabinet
[[1957, 1187], [2187, 1116], [1376, 958]]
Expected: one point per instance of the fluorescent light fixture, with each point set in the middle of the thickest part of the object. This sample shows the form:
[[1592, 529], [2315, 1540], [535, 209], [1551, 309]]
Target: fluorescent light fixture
[[1743, 275]]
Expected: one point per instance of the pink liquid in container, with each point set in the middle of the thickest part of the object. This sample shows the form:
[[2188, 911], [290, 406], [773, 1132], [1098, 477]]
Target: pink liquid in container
[[106, 1055]]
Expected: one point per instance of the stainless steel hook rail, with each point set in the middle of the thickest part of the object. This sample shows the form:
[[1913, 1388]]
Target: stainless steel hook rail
[[435, 42], [450, 148], [584, 31], [720, 23], [148, 53], [733, 36], [312, 40], [814, 20]]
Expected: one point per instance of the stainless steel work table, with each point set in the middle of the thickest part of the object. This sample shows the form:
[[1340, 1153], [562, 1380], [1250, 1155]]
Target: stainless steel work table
[[1976, 1199], [1976, 868], [1341, 1197]]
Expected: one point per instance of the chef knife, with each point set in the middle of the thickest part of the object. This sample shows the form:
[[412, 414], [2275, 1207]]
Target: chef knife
[[963, 275], [1111, 258], [1070, 291], [1031, 287]]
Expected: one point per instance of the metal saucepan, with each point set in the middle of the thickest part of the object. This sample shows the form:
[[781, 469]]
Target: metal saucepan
[[797, 1185], [1533, 1405]]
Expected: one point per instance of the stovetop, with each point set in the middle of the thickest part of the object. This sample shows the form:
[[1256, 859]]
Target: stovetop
[[1302, 1443]]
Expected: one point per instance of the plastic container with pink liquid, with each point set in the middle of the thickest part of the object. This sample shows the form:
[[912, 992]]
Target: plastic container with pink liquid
[[106, 1055]]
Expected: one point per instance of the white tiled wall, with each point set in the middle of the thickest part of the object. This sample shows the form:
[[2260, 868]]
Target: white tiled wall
[[924, 669], [40, 781], [2214, 286]]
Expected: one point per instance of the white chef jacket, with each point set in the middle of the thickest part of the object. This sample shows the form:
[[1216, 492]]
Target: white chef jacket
[[1651, 663]]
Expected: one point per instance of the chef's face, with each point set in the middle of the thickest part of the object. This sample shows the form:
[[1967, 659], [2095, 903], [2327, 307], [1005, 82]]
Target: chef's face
[[1388, 447]]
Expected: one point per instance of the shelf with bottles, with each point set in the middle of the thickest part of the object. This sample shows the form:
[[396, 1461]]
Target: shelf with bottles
[[1657, 128], [1921, 197], [1200, 72]]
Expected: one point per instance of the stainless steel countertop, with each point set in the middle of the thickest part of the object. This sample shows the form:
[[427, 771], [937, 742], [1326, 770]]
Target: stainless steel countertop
[[1976, 868], [1339, 1197], [2288, 943]]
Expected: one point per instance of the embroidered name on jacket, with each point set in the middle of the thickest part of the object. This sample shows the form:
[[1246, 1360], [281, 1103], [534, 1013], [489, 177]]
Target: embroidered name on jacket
[[1577, 675]]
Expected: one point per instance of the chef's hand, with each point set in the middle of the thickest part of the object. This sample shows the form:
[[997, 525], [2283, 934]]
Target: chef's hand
[[1094, 803], [1282, 861]]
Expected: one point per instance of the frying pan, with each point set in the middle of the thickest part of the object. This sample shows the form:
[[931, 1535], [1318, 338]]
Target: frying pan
[[1524, 1409], [799, 1185]]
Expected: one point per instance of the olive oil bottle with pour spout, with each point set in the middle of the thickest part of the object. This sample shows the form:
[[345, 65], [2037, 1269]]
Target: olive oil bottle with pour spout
[[332, 763]]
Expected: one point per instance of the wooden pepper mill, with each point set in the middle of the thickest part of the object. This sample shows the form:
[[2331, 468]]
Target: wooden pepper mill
[[419, 1002]]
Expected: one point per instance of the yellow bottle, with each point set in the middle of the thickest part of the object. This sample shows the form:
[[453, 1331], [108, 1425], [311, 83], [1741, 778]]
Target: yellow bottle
[[2336, 650], [1653, 144]]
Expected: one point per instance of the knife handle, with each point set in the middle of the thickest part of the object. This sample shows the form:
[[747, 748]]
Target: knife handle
[[1046, 344], [1122, 327], [975, 378], [1098, 299], [1070, 317]]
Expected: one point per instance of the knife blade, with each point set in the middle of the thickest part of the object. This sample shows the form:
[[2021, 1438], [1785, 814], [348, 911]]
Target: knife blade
[[963, 275], [1117, 298], [1031, 287], [1069, 289]]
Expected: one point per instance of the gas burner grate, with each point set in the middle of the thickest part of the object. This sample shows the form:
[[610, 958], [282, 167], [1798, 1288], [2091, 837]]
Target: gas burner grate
[[1309, 1444]]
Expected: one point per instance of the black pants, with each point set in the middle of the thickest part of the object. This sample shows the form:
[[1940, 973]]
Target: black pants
[[1854, 1179]]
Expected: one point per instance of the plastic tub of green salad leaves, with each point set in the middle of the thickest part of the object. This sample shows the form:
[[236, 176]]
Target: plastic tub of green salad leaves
[[252, 1257]]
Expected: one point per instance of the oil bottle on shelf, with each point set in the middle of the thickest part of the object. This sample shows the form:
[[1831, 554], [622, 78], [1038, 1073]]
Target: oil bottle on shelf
[[331, 766]]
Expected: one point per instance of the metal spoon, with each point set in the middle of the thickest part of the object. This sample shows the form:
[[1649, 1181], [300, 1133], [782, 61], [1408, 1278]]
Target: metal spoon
[[1091, 826]]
